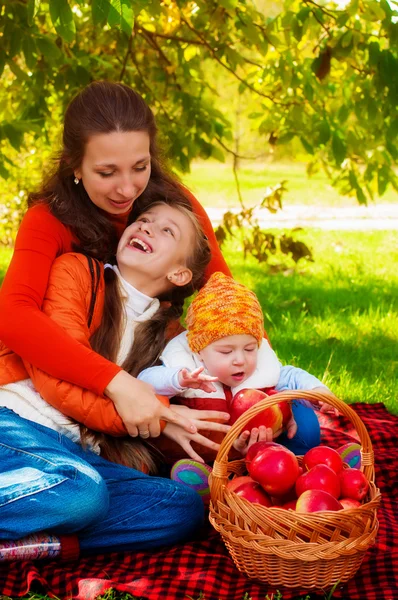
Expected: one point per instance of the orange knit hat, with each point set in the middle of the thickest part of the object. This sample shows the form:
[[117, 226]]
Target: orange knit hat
[[223, 307]]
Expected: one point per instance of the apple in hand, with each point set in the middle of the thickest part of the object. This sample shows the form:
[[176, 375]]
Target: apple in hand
[[316, 500], [245, 399], [354, 484], [323, 455], [245, 487], [349, 503], [319, 477], [275, 468]]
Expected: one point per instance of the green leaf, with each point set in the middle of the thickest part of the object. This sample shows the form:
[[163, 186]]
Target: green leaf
[[32, 8], [323, 131], [383, 179], [360, 195], [100, 11], [15, 42], [3, 171], [2, 62], [62, 18], [308, 91], [115, 13], [339, 148], [374, 53], [307, 145], [346, 39], [218, 154], [127, 17], [30, 52], [285, 138], [48, 48], [15, 137], [372, 109]]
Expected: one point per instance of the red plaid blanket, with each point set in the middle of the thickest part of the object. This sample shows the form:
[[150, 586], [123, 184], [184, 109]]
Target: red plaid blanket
[[204, 565]]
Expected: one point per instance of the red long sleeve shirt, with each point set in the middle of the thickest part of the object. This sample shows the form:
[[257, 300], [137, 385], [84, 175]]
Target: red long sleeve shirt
[[34, 336]]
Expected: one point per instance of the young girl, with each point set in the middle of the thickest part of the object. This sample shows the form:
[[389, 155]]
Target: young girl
[[48, 481], [109, 159], [222, 352]]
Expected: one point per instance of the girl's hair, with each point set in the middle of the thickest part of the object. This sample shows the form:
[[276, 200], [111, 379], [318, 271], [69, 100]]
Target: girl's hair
[[150, 337], [100, 108]]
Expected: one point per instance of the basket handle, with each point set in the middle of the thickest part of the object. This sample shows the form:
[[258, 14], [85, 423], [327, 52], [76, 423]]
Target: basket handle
[[367, 455]]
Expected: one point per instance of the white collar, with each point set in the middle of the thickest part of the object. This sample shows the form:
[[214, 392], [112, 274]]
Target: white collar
[[137, 304]]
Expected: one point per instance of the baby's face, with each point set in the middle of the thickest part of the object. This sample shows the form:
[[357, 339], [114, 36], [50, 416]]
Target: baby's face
[[232, 359]]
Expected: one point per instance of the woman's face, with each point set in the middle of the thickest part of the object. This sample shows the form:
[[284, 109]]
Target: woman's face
[[152, 252], [115, 169]]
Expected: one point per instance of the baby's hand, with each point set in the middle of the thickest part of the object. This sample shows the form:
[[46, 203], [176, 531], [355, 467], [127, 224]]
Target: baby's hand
[[327, 408], [197, 380], [248, 438]]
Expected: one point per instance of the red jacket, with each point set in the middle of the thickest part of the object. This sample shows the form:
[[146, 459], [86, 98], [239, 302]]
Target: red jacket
[[28, 332]]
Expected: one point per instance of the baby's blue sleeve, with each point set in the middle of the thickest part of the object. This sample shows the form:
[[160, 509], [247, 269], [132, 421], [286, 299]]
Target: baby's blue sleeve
[[163, 379], [293, 378]]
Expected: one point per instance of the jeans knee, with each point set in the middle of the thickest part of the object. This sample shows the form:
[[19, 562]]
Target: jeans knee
[[87, 503]]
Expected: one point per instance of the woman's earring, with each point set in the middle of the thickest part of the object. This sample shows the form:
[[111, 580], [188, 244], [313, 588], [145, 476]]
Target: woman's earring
[[76, 181]]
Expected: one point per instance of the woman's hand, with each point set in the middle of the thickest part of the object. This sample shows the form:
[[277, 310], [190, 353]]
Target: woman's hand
[[140, 409], [199, 417], [197, 380]]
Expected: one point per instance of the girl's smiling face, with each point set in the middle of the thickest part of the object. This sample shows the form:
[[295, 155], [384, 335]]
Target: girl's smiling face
[[115, 169], [153, 251]]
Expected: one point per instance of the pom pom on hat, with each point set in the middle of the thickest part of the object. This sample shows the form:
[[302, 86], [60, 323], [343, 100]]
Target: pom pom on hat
[[223, 307]]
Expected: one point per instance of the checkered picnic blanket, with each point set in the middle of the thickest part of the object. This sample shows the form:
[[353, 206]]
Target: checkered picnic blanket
[[204, 566]]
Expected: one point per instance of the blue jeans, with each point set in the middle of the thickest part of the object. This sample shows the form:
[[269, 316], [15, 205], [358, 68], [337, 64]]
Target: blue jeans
[[308, 430], [49, 483]]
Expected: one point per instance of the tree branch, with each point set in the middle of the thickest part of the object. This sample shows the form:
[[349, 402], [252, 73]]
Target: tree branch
[[228, 68], [124, 64]]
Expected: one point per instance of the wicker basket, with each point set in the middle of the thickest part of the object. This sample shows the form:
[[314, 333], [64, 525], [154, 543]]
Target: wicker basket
[[283, 547]]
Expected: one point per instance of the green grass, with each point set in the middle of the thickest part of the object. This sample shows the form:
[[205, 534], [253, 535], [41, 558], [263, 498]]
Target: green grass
[[336, 317], [214, 185]]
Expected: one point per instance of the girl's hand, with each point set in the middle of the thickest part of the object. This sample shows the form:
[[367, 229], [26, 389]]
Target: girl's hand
[[140, 409], [196, 379], [248, 438], [184, 438]]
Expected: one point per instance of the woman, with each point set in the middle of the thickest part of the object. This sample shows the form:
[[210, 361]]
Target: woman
[[109, 159]]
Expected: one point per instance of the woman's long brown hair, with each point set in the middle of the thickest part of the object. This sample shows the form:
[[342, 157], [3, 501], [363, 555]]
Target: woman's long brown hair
[[150, 337], [101, 107]]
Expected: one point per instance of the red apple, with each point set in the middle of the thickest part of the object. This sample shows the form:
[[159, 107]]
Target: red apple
[[319, 477], [275, 468], [323, 455], [291, 504], [245, 399], [354, 484], [349, 503], [254, 448], [245, 487], [316, 500]]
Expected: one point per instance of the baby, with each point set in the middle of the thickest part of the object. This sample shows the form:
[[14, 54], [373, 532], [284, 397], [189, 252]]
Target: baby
[[222, 352]]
